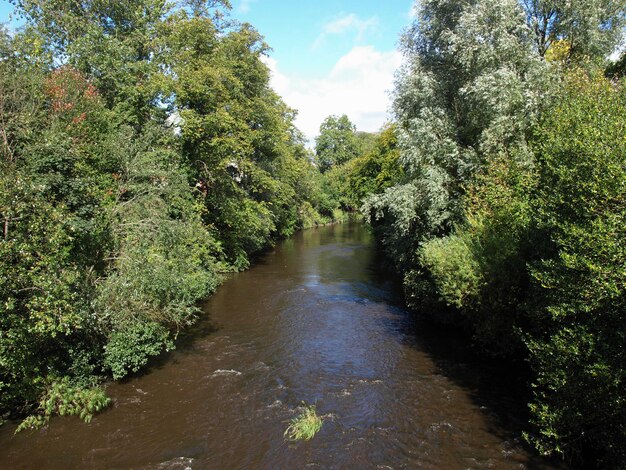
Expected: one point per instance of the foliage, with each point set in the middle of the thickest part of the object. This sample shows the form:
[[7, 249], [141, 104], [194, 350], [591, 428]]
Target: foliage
[[246, 158], [480, 268], [577, 347], [377, 168], [40, 286], [132, 344], [506, 214], [455, 270], [142, 153], [617, 69], [472, 88], [66, 399], [337, 142], [304, 426], [589, 28], [365, 141]]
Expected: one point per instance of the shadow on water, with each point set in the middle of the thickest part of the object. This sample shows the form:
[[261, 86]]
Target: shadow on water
[[499, 387]]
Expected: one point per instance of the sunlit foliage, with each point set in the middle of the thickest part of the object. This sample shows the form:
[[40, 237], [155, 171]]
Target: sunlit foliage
[[143, 153]]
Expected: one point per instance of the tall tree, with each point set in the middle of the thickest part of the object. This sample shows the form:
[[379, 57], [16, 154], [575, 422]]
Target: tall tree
[[337, 142], [586, 28], [472, 87]]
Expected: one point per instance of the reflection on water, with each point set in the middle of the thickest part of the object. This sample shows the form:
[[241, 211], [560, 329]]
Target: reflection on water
[[316, 321]]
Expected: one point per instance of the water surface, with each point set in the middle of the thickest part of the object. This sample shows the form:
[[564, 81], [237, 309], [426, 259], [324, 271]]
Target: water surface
[[315, 320]]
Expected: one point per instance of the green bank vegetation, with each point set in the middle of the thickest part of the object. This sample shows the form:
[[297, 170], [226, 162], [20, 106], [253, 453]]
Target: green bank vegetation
[[142, 154]]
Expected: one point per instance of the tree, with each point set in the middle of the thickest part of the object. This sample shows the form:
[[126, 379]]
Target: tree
[[472, 88], [238, 137], [375, 170], [337, 142], [507, 212], [590, 28], [112, 226]]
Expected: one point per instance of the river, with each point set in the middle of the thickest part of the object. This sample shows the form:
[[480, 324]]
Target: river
[[317, 321]]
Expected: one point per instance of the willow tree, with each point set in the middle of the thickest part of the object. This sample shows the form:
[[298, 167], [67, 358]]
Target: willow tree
[[585, 28], [474, 82], [472, 86]]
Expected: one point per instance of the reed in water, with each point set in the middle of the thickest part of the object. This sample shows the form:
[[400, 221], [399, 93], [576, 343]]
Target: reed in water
[[305, 425]]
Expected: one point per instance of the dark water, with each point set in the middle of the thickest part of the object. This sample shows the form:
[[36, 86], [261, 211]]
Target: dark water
[[313, 321]]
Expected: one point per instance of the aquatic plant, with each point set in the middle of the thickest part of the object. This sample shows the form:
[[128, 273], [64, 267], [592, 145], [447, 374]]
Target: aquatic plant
[[64, 398], [305, 425]]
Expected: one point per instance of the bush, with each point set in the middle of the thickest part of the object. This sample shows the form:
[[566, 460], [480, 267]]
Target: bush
[[577, 344], [130, 347], [454, 268], [64, 398]]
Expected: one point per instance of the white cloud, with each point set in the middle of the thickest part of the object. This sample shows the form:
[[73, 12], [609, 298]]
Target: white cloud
[[245, 6], [358, 85], [346, 23]]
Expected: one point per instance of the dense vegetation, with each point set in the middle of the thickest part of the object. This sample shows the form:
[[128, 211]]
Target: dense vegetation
[[499, 195], [142, 153], [355, 164]]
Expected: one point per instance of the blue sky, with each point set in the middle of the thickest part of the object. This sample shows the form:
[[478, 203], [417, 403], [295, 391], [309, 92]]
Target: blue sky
[[331, 56], [328, 56], [308, 37]]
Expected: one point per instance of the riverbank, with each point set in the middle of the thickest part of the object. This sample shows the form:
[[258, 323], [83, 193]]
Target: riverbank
[[314, 320]]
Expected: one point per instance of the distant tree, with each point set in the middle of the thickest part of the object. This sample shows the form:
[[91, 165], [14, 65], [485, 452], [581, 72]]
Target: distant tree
[[378, 168], [367, 141], [337, 142]]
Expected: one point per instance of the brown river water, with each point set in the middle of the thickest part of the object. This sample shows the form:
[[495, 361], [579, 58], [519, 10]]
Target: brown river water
[[315, 320]]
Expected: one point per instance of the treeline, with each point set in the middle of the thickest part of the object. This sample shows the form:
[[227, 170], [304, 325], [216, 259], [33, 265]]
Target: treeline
[[504, 204], [142, 154], [355, 164]]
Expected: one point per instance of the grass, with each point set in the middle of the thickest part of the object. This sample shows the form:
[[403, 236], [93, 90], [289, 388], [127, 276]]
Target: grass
[[305, 425]]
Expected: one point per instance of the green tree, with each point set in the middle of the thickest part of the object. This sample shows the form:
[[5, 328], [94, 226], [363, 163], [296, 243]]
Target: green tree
[[590, 28], [505, 222], [238, 139], [378, 168], [472, 88], [113, 43], [337, 142]]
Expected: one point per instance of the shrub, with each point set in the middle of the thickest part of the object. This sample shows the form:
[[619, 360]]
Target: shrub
[[64, 398], [577, 345], [131, 345]]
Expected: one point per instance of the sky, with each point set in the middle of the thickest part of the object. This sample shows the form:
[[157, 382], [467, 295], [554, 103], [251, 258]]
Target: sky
[[331, 56], [328, 56]]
